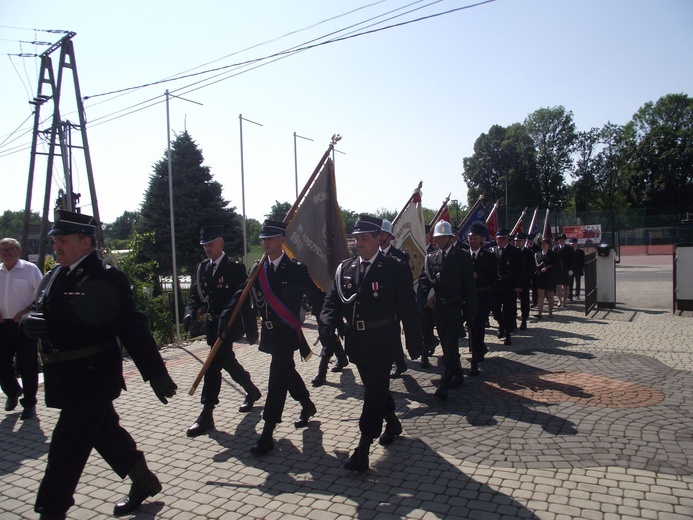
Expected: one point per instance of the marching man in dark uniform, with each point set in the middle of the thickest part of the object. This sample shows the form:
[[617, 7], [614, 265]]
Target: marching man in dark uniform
[[386, 237], [371, 294], [508, 285], [278, 293], [216, 281], [578, 268], [84, 306], [485, 275], [528, 264], [566, 257], [449, 272]]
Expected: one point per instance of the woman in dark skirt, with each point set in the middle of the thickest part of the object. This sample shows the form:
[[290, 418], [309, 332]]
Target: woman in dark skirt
[[547, 265]]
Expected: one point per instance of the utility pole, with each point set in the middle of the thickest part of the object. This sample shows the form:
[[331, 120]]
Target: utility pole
[[59, 142]]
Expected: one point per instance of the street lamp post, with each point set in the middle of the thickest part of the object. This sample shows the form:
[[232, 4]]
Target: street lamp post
[[296, 158], [245, 224], [174, 278]]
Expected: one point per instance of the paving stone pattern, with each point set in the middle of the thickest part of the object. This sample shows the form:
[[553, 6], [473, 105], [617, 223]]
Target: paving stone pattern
[[582, 417]]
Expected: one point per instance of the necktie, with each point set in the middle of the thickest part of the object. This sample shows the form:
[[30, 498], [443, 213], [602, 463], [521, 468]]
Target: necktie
[[214, 267], [363, 268], [473, 257]]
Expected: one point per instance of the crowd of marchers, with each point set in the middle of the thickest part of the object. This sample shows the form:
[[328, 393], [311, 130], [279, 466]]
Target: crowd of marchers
[[80, 314]]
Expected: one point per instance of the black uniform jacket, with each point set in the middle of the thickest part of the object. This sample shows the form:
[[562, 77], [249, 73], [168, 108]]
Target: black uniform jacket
[[529, 265], [579, 265], [85, 312], [217, 290], [452, 279], [370, 312], [511, 269], [289, 283], [486, 270]]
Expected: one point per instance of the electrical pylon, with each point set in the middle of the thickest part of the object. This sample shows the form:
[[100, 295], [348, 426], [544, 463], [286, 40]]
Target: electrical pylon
[[59, 141]]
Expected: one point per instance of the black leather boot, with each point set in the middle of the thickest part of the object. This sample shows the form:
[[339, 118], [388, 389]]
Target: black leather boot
[[308, 410], [265, 442], [252, 395], [393, 428], [321, 376], [359, 459], [144, 485], [204, 423]]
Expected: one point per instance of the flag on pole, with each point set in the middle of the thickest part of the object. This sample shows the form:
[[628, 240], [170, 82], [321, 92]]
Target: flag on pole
[[492, 221], [518, 225], [315, 235], [547, 233], [533, 223], [442, 214], [410, 233], [476, 215]]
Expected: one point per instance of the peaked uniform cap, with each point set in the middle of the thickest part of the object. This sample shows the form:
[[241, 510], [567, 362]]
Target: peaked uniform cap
[[477, 229], [272, 228], [70, 223], [367, 224], [502, 233], [210, 234]]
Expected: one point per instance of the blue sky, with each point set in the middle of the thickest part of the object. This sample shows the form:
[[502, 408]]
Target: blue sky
[[409, 101]]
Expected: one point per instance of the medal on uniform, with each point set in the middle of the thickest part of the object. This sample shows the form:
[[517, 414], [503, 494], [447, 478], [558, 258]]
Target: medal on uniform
[[349, 285], [259, 294], [374, 285]]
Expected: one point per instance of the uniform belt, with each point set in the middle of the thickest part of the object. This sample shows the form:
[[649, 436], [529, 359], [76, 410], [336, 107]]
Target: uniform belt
[[450, 299], [269, 325], [367, 325], [59, 357]]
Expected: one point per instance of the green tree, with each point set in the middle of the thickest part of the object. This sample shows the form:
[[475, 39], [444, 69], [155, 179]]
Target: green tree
[[553, 132], [118, 233], [660, 153], [278, 211], [12, 222], [197, 202], [503, 155]]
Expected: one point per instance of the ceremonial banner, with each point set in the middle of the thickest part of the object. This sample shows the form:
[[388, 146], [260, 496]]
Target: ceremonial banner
[[518, 225], [410, 233], [547, 233], [533, 224], [477, 215], [492, 221], [315, 236]]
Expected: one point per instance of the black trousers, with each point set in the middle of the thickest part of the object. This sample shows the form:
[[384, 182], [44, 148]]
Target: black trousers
[[524, 302], [377, 399], [226, 360], [283, 379], [77, 431], [13, 343], [449, 333], [478, 328], [504, 310], [578, 283]]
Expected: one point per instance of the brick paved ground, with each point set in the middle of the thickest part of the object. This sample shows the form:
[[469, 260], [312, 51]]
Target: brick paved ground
[[582, 417]]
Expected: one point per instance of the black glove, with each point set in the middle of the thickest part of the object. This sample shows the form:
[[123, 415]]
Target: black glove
[[164, 387], [187, 320], [326, 335], [34, 325]]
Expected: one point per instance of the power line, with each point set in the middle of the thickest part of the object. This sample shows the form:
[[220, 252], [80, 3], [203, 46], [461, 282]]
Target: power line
[[268, 59]]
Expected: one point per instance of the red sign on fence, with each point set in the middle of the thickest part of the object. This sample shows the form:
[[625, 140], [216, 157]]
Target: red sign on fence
[[584, 234]]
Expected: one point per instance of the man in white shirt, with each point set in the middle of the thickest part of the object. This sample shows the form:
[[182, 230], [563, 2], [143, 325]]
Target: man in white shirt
[[18, 282]]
